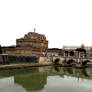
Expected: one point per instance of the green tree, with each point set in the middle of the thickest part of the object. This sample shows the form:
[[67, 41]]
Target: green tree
[[0, 49]]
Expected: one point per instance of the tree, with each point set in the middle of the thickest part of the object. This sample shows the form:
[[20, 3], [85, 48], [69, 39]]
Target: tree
[[0, 49], [80, 51], [71, 53]]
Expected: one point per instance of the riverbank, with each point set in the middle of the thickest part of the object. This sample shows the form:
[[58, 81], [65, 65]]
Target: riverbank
[[28, 65], [22, 61], [19, 66]]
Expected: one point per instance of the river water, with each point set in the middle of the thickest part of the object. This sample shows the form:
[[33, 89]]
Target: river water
[[46, 79]]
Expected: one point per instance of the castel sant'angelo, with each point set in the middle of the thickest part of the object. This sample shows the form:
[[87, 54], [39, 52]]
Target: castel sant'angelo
[[31, 44]]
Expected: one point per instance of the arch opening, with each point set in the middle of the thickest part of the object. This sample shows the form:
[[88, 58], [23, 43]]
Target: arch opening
[[71, 61], [85, 62], [56, 61]]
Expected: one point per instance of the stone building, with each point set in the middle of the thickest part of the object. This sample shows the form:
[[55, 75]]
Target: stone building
[[80, 51], [31, 44], [87, 48], [33, 40], [55, 52]]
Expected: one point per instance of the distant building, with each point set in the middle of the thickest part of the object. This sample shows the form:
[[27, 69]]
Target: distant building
[[55, 52], [77, 50], [75, 47]]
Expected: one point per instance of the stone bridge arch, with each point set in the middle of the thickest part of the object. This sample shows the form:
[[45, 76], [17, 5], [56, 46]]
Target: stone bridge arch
[[56, 61], [85, 62], [71, 61]]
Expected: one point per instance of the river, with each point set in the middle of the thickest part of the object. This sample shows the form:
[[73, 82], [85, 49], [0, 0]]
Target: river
[[46, 79]]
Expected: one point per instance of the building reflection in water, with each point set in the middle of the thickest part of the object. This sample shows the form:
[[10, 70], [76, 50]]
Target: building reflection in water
[[48, 79], [31, 82]]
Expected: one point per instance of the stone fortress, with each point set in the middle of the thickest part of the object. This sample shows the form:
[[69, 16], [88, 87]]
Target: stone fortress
[[33, 40], [30, 44]]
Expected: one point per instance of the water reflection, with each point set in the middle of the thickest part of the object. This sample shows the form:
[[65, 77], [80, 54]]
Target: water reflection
[[46, 79], [31, 81], [6, 81]]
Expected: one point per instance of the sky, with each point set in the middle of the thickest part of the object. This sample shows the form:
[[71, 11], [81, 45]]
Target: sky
[[64, 22]]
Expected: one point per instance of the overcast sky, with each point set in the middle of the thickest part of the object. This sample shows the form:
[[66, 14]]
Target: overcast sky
[[64, 22]]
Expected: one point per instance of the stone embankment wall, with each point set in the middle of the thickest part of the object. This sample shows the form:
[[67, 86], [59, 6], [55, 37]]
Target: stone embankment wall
[[50, 60], [20, 59], [15, 59], [46, 60]]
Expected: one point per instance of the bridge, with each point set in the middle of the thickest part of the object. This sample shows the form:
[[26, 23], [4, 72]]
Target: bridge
[[70, 60]]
